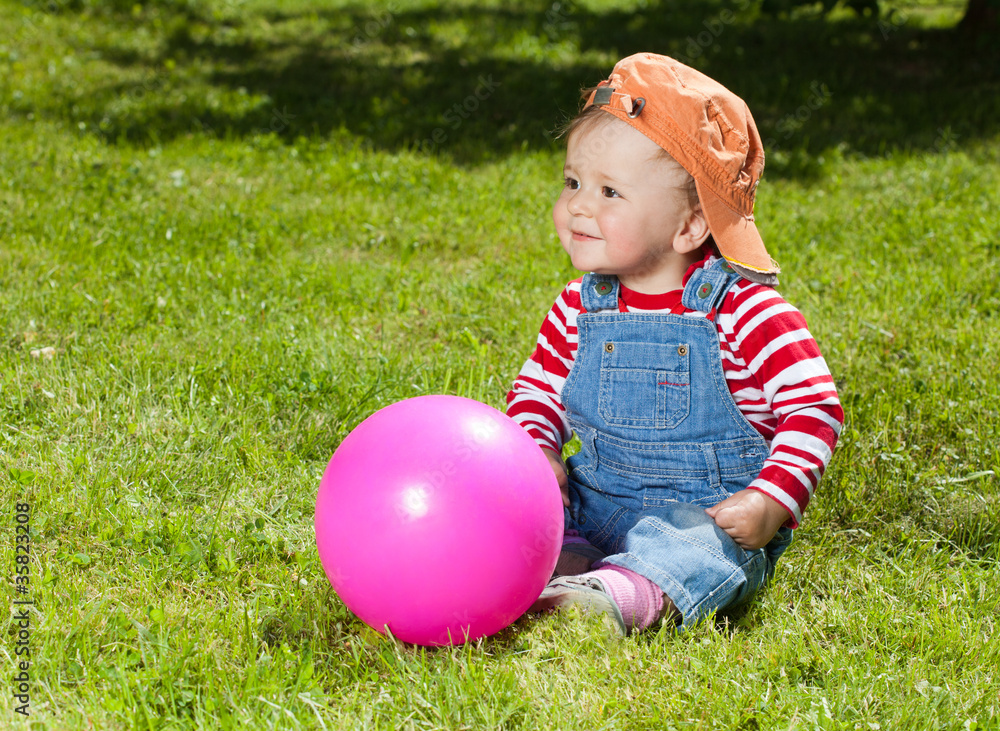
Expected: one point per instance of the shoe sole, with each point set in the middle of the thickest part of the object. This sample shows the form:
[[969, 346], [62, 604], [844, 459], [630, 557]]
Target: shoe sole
[[558, 595]]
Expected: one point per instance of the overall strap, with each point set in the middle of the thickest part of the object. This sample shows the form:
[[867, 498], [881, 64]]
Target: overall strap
[[707, 286], [599, 292]]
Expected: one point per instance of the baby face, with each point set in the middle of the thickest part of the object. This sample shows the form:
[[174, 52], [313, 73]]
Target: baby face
[[623, 209]]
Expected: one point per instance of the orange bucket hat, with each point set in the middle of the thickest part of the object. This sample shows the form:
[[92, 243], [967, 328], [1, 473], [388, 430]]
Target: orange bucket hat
[[708, 130]]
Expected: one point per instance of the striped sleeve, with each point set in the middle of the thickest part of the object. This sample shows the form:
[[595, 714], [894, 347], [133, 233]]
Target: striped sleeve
[[783, 386], [535, 400]]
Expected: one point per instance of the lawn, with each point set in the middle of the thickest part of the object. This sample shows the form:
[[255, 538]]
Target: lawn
[[231, 230]]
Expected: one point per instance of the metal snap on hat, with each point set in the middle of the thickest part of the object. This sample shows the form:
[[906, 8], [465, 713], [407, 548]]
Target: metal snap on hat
[[709, 131]]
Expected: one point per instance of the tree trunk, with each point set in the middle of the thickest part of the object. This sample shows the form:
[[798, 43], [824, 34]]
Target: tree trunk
[[981, 16]]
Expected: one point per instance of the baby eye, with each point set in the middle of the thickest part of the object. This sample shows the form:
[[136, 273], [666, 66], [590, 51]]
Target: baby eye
[[571, 183], [610, 192]]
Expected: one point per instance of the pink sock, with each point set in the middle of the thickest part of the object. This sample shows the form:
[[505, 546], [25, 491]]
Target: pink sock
[[638, 598], [572, 536]]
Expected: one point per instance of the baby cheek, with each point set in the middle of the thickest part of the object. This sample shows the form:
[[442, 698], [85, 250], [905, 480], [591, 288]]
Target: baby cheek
[[624, 235], [558, 212], [560, 217]]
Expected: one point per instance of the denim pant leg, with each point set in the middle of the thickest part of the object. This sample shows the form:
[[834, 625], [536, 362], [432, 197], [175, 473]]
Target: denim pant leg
[[681, 549]]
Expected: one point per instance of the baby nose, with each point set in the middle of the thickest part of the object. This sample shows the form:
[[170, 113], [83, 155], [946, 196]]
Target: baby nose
[[577, 204]]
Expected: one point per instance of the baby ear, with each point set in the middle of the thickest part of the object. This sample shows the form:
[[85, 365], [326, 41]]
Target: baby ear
[[693, 233]]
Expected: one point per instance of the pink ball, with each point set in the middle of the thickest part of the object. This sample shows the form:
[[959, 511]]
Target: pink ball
[[440, 519]]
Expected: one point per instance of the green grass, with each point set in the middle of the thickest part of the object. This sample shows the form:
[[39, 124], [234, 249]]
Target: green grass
[[224, 242]]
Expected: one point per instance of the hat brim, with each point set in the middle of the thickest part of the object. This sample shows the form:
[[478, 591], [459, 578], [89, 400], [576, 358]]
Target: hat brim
[[736, 235]]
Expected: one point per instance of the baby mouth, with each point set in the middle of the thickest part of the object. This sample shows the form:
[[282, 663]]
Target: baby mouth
[[580, 236]]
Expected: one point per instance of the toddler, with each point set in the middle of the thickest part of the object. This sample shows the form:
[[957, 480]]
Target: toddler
[[705, 412]]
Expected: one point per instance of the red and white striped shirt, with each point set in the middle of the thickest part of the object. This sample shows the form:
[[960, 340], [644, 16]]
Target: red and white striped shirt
[[773, 368]]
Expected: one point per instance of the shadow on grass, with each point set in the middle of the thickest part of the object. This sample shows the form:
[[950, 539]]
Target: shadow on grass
[[476, 84], [971, 526]]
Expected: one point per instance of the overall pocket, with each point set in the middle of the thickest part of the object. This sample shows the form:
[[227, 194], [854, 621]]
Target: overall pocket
[[645, 385]]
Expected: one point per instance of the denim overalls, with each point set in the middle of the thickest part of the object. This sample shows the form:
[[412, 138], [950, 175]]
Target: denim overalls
[[661, 440]]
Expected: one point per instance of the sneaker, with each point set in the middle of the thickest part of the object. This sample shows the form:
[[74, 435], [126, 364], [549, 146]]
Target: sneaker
[[587, 593], [577, 558]]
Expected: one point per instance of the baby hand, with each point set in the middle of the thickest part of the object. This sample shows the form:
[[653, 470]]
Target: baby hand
[[559, 467], [750, 518]]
